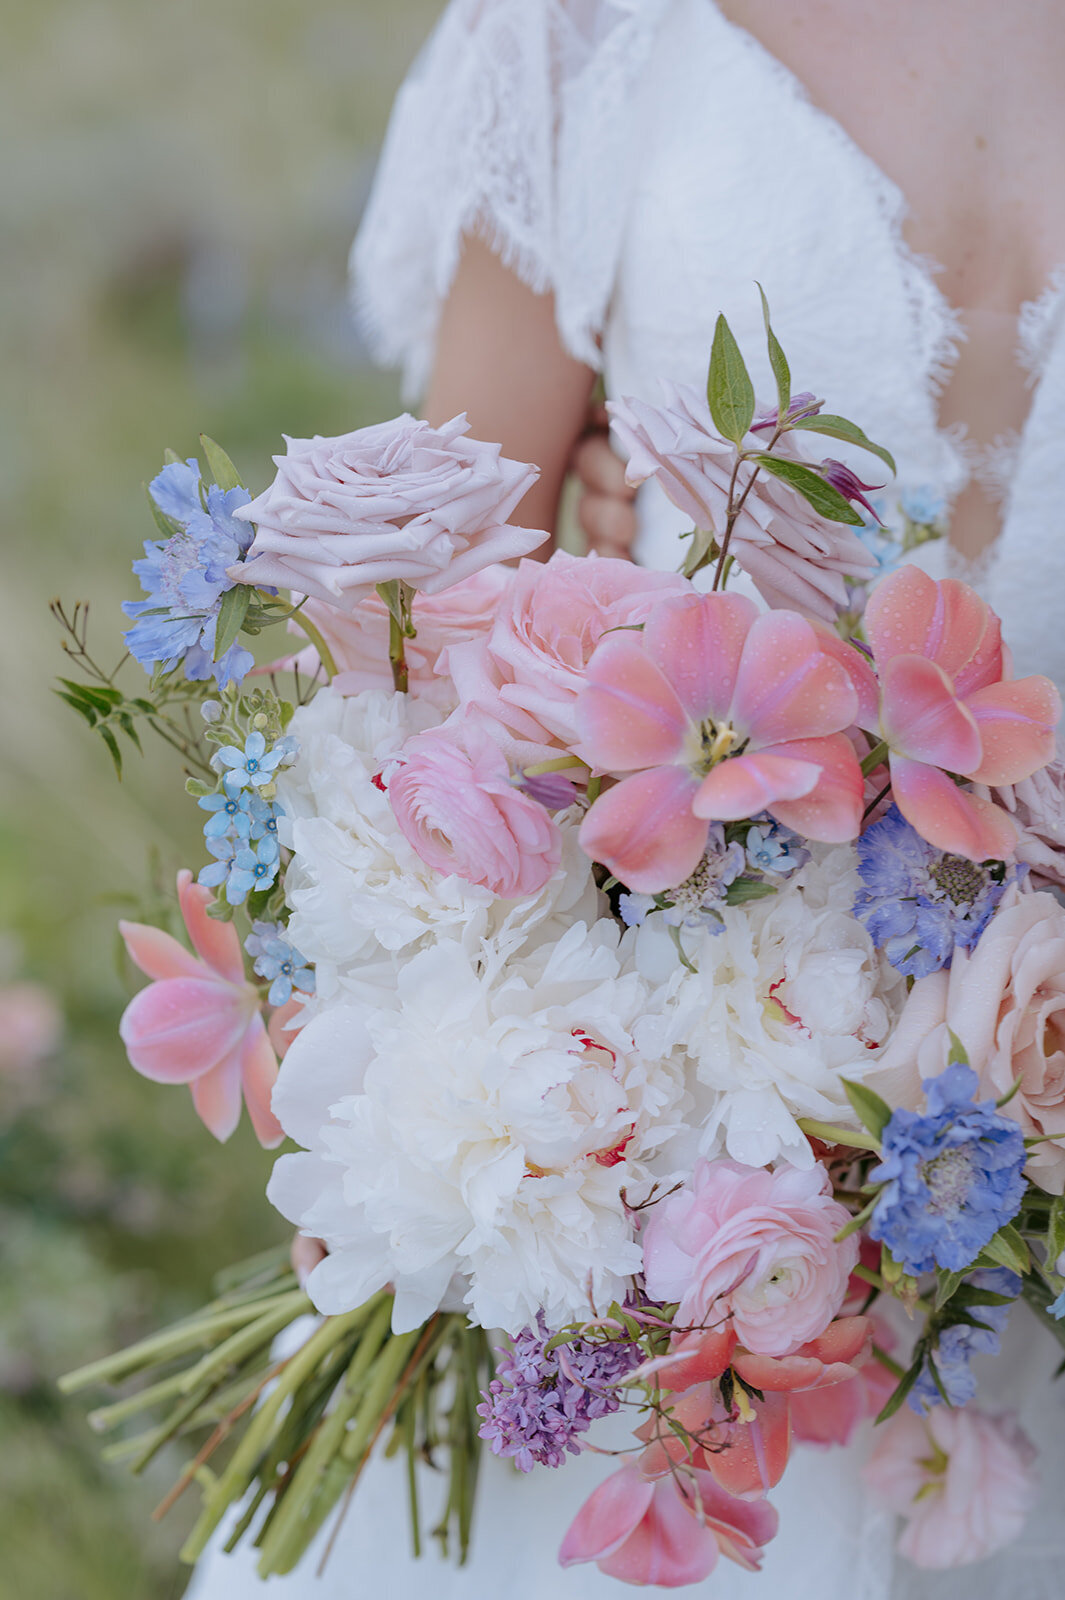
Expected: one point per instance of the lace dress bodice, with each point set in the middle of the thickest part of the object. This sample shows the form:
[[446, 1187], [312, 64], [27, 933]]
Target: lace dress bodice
[[648, 161]]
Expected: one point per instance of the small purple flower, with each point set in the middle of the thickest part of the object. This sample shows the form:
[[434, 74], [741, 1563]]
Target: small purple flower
[[849, 484], [541, 1400], [801, 405], [277, 960], [960, 1341], [552, 789]]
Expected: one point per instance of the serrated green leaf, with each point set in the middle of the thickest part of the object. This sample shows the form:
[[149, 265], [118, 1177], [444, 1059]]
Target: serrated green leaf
[[958, 1056], [116, 755], [874, 1113], [1008, 1249], [221, 469], [729, 390], [777, 360], [166, 525], [817, 491], [834, 427], [231, 613]]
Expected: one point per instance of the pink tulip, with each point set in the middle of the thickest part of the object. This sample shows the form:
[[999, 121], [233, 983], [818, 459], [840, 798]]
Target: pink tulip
[[744, 1457], [199, 1022], [948, 706], [832, 1415], [718, 713], [670, 1532]]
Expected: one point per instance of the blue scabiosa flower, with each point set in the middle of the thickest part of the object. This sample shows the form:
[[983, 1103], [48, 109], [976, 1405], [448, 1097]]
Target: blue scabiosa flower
[[184, 577], [694, 903], [773, 848], [951, 1177], [279, 962], [960, 1341], [541, 1400], [918, 903]]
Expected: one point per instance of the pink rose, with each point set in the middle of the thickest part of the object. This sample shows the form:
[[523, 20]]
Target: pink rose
[[755, 1248], [1005, 1000], [794, 557], [398, 500], [455, 802], [526, 676], [961, 1478]]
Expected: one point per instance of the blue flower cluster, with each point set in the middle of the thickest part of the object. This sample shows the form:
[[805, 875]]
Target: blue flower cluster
[[241, 831], [960, 1341], [185, 578], [951, 1177], [278, 961], [918, 903]]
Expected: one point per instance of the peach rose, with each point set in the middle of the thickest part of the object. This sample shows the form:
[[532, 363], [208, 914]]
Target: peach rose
[[961, 1478]]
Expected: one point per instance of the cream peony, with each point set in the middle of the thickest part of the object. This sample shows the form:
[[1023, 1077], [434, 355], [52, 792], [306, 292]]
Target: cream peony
[[486, 1126]]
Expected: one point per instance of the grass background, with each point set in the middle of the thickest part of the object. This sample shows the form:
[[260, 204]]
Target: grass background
[[180, 188]]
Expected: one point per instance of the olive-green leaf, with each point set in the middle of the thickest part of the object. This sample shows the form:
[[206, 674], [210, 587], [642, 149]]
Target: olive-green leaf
[[958, 1055], [777, 360], [839, 428], [1008, 1249], [221, 469], [112, 744], [1056, 1229], [729, 390], [231, 614], [826, 501], [875, 1114], [905, 1385], [947, 1285]]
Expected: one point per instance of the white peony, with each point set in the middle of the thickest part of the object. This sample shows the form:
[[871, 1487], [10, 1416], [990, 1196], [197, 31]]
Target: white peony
[[362, 900], [787, 1001], [484, 1126]]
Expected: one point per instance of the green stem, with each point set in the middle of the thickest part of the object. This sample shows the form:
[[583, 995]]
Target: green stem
[[829, 1133], [558, 764], [325, 655], [876, 758], [885, 1360], [397, 655]]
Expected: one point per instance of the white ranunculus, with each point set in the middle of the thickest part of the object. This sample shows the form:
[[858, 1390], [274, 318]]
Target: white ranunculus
[[787, 1001], [362, 899], [486, 1125]]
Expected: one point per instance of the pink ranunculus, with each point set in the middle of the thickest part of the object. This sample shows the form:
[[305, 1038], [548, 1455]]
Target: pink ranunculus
[[525, 676], [1005, 1000], [199, 1022], [358, 639], [795, 558], [670, 1531], [399, 500], [718, 713], [960, 1477], [949, 706], [1037, 806], [753, 1249], [454, 800]]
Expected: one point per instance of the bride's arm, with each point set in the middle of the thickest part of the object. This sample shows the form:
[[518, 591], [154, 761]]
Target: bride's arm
[[499, 358]]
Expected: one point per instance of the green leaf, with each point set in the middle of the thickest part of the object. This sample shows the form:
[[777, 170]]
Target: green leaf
[[699, 554], [82, 710], [826, 501], [1008, 1249], [1056, 1229], [834, 427], [746, 889], [874, 1113], [221, 469], [100, 698], [904, 1386], [777, 360], [170, 457], [231, 613], [729, 389], [958, 1056], [116, 755], [947, 1285]]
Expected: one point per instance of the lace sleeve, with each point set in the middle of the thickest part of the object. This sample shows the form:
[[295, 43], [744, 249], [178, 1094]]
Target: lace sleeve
[[514, 122]]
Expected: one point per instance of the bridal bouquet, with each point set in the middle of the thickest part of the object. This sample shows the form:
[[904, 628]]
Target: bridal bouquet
[[667, 988]]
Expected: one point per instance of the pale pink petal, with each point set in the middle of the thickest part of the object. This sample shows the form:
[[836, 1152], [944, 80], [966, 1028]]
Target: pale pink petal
[[177, 1029], [830, 1416], [756, 1453], [922, 718], [217, 942], [900, 612], [832, 811], [157, 954], [778, 1374], [1017, 721], [741, 1527], [628, 714], [216, 1097], [965, 637], [788, 687], [744, 785], [947, 816], [258, 1066], [697, 641], [644, 831], [857, 669], [669, 1547], [607, 1517]]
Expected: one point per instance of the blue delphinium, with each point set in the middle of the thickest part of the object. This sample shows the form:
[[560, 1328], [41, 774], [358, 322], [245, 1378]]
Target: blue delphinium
[[184, 577], [952, 1176], [960, 1341], [277, 960], [919, 903]]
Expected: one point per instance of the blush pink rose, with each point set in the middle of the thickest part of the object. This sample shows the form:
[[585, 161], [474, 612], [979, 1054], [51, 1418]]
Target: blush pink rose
[[400, 500], [754, 1249], [1005, 1000], [524, 678], [961, 1478], [455, 802]]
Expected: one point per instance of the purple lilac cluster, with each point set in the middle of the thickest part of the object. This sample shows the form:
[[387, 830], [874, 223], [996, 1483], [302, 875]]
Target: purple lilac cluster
[[540, 1400], [959, 1342]]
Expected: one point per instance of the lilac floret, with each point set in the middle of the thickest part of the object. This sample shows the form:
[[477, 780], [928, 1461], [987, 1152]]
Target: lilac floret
[[961, 1341], [541, 1400]]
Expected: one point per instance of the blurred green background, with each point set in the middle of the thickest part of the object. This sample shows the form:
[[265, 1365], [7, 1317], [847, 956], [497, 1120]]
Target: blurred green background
[[178, 194]]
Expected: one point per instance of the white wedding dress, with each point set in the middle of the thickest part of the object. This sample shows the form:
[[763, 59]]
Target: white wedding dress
[[617, 152]]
